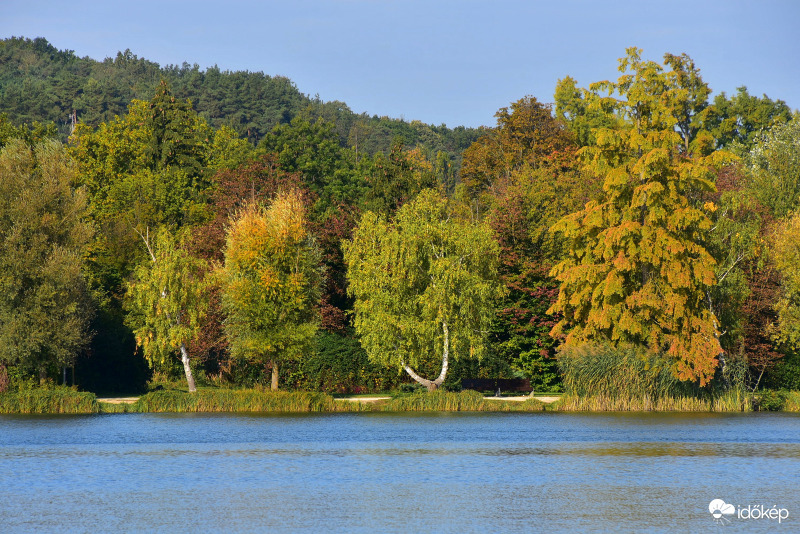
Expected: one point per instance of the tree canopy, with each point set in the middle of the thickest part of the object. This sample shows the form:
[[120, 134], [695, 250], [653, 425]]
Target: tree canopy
[[271, 283], [45, 306], [637, 271], [424, 284]]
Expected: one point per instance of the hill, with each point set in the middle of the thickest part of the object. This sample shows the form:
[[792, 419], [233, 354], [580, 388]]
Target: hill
[[39, 83]]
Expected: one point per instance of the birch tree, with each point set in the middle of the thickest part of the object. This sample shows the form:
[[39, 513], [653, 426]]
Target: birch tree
[[166, 301], [424, 284]]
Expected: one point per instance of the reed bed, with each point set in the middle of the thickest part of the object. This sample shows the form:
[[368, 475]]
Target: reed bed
[[792, 402], [727, 402], [59, 400], [464, 401], [239, 400], [599, 377]]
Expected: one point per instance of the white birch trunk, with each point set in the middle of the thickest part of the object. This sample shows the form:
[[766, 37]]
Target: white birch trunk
[[274, 385], [433, 385], [187, 369]]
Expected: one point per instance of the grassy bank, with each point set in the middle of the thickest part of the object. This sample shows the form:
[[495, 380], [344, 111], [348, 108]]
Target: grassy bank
[[732, 401], [68, 401], [59, 400], [464, 401], [233, 400]]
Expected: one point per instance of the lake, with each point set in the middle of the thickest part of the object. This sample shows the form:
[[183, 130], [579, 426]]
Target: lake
[[376, 472]]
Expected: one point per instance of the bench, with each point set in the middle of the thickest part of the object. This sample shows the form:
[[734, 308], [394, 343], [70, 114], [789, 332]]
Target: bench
[[522, 385]]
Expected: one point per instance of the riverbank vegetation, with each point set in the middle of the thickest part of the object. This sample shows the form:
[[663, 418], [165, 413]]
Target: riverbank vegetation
[[634, 246]]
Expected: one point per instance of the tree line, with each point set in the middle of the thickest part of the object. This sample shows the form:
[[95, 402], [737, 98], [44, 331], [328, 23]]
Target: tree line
[[636, 214]]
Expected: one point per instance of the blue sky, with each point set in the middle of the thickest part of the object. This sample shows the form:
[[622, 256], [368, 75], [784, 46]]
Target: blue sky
[[450, 61]]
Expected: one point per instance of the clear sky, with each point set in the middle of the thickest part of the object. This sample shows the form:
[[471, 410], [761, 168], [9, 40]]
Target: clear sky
[[439, 61]]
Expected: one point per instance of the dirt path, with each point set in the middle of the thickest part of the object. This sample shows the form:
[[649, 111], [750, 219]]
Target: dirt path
[[547, 400], [364, 399], [118, 400]]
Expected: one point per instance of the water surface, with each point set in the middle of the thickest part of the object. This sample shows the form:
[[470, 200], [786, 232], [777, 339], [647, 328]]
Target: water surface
[[439, 472]]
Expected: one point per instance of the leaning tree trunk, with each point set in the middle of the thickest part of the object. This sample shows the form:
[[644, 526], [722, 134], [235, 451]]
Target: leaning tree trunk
[[187, 369], [433, 385]]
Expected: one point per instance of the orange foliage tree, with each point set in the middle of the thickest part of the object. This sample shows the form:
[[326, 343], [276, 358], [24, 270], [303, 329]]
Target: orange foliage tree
[[637, 272]]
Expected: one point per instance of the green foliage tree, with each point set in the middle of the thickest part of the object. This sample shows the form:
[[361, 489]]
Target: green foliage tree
[[44, 233], [572, 108], [424, 284], [774, 168], [142, 171], [166, 301], [271, 283], [786, 253], [523, 207], [741, 118], [313, 150], [397, 177], [637, 271]]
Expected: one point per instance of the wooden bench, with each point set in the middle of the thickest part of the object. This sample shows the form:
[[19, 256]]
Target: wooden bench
[[522, 385]]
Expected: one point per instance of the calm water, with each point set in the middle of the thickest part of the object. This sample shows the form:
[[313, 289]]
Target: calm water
[[397, 473]]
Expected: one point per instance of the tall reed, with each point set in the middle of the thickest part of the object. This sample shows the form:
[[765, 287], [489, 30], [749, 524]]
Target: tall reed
[[57, 400], [464, 401], [792, 402], [599, 377], [240, 400]]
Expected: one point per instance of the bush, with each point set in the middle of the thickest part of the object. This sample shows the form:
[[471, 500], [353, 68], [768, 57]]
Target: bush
[[340, 365], [770, 401]]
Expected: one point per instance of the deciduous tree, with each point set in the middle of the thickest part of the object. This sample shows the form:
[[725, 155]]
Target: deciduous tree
[[167, 300], [271, 283], [44, 233], [424, 284], [637, 271]]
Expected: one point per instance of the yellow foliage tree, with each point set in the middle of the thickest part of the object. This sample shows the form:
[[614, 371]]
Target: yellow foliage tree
[[271, 283], [637, 272]]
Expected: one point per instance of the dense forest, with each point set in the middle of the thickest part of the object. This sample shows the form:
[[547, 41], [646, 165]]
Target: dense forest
[[222, 228]]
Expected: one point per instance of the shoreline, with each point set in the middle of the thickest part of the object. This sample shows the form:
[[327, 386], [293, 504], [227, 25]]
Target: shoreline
[[217, 400]]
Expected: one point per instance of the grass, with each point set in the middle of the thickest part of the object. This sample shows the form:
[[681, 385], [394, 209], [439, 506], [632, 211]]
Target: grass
[[792, 402], [57, 400], [235, 400], [732, 401], [464, 401], [599, 377], [68, 401]]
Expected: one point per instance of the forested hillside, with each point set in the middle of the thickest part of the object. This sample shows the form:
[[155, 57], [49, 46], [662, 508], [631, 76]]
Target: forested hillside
[[39, 83], [637, 239]]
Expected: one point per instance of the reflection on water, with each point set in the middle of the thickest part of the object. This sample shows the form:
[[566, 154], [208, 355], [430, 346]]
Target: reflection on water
[[395, 472]]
